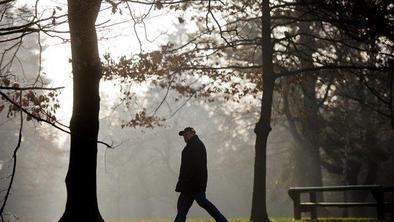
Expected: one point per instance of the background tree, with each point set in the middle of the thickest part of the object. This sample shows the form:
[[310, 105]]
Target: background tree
[[224, 59], [349, 53], [23, 88], [201, 67], [366, 22]]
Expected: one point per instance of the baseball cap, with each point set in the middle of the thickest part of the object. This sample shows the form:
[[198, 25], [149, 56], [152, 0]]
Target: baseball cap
[[187, 129]]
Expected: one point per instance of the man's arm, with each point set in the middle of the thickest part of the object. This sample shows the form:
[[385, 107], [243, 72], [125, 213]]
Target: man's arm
[[185, 172]]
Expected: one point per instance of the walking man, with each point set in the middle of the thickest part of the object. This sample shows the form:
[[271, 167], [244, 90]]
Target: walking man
[[193, 178]]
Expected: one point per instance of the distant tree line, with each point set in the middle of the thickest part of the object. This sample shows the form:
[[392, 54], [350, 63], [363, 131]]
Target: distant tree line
[[330, 62]]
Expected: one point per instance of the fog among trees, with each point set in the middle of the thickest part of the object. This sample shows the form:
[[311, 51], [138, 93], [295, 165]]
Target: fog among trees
[[282, 93]]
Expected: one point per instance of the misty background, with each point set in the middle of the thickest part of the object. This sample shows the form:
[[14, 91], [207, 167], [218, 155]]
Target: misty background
[[137, 178]]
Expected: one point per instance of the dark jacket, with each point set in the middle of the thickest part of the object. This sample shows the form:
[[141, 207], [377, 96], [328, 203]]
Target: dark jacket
[[193, 174]]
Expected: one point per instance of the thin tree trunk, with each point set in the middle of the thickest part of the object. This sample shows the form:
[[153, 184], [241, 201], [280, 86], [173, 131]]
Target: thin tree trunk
[[81, 176], [263, 126], [392, 92]]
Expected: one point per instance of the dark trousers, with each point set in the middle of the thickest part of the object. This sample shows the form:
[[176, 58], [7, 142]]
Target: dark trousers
[[185, 201]]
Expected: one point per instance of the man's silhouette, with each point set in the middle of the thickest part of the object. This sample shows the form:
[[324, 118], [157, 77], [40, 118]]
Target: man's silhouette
[[193, 178]]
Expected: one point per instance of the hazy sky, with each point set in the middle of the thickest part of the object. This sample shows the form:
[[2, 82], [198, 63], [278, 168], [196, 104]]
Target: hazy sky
[[116, 36]]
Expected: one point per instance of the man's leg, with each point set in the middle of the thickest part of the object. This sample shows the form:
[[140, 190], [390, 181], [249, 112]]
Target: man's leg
[[185, 201], [209, 207]]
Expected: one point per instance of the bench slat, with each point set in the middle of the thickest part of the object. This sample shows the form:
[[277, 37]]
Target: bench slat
[[336, 188], [338, 204]]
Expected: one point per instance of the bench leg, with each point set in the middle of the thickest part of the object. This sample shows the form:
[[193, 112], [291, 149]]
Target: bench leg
[[296, 204], [380, 214], [312, 196], [313, 213], [297, 213], [378, 195]]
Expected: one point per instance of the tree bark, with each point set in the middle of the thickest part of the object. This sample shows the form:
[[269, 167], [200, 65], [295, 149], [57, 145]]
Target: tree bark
[[263, 126], [391, 73], [298, 153], [310, 128], [82, 171], [312, 159]]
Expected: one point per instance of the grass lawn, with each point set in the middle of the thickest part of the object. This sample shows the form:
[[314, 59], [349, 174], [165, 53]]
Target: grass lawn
[[337, 219]]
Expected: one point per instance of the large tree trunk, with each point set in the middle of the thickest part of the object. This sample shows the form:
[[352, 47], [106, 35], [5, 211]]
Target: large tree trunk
[[310, 126], [81, 176], [307, 155], [312, 160], [263, 126], [306, 135], [297, 155]]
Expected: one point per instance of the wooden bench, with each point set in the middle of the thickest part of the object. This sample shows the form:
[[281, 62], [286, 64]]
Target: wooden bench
[[378, 192]]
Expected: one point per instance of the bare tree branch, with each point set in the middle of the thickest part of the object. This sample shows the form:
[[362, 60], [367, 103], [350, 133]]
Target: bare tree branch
[[223, 67], [14, 161], [217, 23], [29, 88], [39, 119], [330, 67]]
